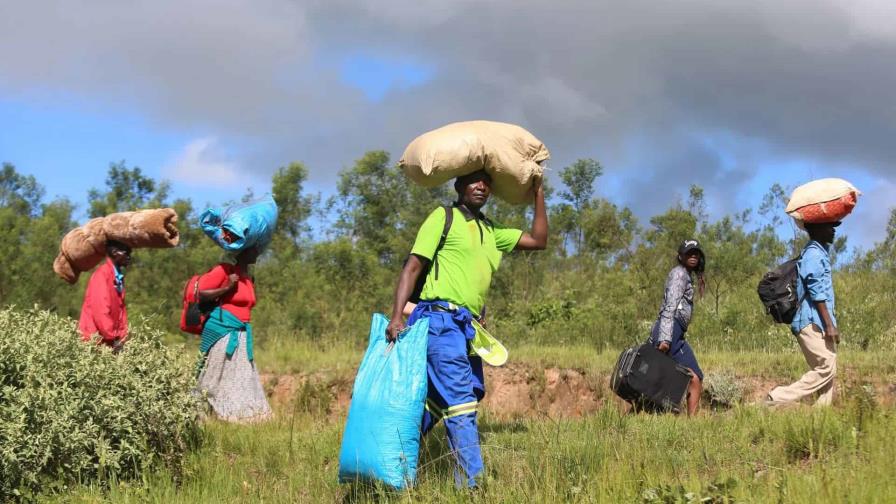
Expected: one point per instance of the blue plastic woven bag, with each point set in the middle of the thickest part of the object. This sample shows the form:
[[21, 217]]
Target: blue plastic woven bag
[[382, 434], [249, 224]]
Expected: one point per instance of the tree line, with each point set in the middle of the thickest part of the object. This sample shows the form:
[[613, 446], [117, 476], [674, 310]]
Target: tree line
[[334, 260]]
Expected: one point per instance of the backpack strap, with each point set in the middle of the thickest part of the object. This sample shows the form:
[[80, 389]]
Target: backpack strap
[[449, 218], [799, 278]]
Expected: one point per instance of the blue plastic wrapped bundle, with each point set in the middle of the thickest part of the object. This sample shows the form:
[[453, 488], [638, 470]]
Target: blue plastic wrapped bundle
[[381, 441], [242, 226]]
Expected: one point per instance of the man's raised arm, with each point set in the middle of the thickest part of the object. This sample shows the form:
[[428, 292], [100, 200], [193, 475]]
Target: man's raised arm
[[537, 239]]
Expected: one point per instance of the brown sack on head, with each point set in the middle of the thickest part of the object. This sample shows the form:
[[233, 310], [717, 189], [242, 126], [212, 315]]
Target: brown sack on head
[[509, 153], [144, 228]]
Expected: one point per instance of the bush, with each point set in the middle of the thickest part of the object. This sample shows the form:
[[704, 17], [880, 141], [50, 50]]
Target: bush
[[722, 390], [74, 412]]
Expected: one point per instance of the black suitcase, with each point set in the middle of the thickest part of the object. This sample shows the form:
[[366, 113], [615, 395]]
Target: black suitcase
[[650, 379]]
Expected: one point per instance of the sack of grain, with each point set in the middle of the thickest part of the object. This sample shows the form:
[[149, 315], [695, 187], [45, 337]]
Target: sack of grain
[[823, 200], [509, 153]]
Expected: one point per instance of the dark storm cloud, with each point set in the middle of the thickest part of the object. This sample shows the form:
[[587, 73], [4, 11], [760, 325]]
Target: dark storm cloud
[[639, 85]]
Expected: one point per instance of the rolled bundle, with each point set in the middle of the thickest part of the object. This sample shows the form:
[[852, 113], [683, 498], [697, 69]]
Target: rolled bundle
[[155, 228], [64, 270], [822, 200], [509, 153], [84, 247], [81, 249]]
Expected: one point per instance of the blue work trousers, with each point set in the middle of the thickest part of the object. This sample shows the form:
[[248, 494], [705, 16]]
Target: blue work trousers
[[456, 385]]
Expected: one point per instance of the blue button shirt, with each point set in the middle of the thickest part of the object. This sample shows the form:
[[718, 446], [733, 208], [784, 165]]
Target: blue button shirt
[[814, 283]]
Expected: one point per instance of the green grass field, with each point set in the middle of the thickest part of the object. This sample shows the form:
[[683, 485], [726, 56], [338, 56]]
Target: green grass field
[[744, 454]]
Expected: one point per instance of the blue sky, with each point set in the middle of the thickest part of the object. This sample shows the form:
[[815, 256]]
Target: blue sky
[[375, 76], [68, 149], [68, 143]]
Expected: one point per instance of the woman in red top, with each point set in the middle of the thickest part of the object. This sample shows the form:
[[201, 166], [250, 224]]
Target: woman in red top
[[229, 378]]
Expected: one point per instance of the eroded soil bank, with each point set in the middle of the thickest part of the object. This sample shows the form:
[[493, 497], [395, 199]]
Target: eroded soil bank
[[521, 390]]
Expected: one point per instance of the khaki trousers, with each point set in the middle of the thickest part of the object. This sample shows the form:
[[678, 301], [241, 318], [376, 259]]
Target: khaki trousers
[[821, 355]]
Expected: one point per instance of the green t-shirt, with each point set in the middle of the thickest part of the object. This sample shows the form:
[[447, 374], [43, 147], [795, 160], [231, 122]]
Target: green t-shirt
[[472, 252]]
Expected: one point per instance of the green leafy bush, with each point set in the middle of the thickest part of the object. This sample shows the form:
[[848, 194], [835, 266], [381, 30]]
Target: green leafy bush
[[551, 310], [75, 412]]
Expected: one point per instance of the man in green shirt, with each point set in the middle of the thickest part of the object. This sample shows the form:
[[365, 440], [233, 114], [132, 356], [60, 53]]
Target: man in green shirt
[[453, 295]]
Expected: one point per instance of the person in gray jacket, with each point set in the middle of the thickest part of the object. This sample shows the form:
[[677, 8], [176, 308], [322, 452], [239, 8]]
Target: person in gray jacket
[[668, 333]]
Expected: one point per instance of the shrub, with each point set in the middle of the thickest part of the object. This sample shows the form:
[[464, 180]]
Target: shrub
[[75, 412], [722, 389]]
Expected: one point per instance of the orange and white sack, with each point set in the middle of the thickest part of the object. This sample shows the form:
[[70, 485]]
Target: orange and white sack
[[822, 200], [509, 153]]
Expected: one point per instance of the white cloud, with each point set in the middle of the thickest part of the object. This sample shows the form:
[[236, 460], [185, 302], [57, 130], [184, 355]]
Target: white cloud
[[200, 163], [871, 19]]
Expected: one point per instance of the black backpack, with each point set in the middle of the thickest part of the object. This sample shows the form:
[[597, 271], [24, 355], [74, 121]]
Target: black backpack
[[777, 291], [421, 280]]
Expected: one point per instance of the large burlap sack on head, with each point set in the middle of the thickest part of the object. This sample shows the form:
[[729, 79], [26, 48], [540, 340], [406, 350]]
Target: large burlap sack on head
[[155, 228], [509, 153], [822, 200]]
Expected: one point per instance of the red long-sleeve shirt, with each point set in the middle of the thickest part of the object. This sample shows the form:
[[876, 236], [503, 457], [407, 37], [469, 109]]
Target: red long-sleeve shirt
[[104, 310]]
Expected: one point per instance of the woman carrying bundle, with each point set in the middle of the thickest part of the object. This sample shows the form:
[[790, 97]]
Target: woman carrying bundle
[[228, 376], [668, 333]]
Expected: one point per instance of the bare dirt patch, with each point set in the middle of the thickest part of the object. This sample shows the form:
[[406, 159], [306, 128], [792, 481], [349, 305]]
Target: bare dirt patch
[[520, 390], [513, 391]]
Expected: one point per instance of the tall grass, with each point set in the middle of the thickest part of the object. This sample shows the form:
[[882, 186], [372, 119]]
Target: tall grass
[[745, 455]]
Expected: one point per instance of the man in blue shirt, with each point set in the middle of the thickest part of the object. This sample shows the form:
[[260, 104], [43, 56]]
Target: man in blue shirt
[[814, 324]]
